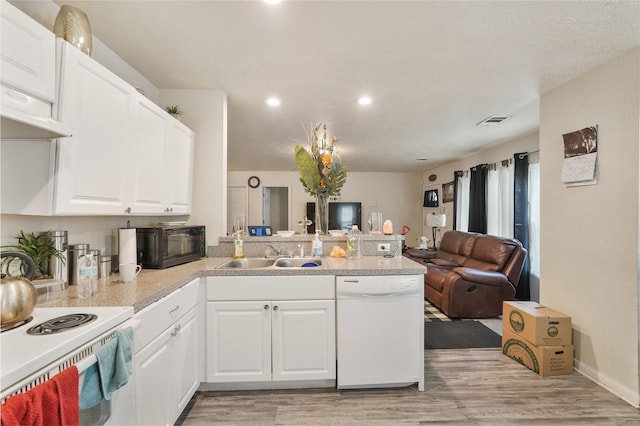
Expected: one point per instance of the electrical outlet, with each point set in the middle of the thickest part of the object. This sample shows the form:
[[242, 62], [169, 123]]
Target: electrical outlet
[[383, 247]]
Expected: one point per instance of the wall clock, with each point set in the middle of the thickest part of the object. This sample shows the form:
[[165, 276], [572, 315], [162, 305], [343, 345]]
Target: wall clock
[[254, 181]]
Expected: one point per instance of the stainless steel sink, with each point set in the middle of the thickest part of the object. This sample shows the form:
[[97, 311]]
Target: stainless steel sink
[[296, 262], [282, 262], [247, 263]]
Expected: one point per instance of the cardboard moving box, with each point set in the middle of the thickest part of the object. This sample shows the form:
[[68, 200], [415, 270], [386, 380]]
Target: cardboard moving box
[[544, 360], [536, 323]]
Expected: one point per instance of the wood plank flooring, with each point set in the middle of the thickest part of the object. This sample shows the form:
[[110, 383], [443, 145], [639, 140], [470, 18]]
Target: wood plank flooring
[[463, 387]]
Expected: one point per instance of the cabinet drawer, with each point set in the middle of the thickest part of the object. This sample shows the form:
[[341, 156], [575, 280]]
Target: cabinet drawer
[[162, 314], [273, 287]]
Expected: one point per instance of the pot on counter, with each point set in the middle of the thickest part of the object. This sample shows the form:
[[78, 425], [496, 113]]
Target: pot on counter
[[18, 298]]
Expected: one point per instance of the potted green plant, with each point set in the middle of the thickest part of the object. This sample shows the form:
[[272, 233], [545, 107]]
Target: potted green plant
[[40, 248], [174, 110]]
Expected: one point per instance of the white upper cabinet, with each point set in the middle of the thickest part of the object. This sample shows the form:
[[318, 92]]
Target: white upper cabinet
[[126, 155], [162, 169], [28, 77], [91, 165], [179, 167], [147, 169], [28, 54]]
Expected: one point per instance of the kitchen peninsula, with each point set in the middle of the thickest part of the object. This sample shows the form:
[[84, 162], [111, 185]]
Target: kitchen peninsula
[[264, 328], [153, 284]]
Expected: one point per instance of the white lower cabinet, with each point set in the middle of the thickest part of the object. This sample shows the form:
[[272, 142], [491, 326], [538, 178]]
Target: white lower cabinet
[[303, 340], [273, 339], [166, 365], [238, 341], [153, 369], [184, 362], [270, 340]]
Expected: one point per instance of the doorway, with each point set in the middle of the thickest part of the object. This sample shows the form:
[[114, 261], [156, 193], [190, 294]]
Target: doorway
[[275, 207]]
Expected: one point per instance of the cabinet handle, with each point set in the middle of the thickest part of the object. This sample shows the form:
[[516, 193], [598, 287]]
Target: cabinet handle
[[174, 309], [127, 210], [275, 308], [176, 330], [266, 307]]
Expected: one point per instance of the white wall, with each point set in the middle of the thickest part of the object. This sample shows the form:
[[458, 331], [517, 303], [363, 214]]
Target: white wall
[[444, 173], [397, 195], [101, 233], [589, 235]]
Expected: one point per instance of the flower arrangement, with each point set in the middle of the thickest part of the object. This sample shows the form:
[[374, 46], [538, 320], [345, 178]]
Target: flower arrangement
[[320, 167]]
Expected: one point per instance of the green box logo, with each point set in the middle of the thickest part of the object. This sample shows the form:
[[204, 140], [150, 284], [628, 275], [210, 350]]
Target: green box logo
[[516, 320]]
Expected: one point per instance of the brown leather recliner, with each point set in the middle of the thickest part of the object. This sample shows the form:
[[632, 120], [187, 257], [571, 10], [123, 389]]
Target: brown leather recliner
[[472, 274]]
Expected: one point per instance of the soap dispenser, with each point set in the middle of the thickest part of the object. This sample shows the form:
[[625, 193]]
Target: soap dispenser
[[316, 245], [238, 245]]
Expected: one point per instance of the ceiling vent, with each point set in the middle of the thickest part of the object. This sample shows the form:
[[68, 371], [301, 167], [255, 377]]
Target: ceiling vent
[[493, 120]]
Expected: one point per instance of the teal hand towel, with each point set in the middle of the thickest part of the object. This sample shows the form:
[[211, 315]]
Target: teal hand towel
[[90, 394], [112, 370]]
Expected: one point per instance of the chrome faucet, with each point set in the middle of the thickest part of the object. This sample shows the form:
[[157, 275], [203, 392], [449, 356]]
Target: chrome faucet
[[269, 246]]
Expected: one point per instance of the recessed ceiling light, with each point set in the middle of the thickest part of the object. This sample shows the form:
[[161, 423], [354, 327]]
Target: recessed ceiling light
[[272, 1], [273, 101], [365, 100]]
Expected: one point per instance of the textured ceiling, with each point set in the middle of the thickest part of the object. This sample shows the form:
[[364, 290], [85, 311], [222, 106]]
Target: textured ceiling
[[434, 69]]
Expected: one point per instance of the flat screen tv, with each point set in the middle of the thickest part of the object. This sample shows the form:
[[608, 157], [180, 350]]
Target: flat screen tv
[[430, 198], [342, 215]]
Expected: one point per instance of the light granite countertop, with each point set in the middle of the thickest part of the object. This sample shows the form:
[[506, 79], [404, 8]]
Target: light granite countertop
[[153, 284]]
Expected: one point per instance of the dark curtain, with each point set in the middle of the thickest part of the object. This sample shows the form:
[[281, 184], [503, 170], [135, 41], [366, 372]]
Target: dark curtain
[[521, 218], [478, 199], [456, 177]]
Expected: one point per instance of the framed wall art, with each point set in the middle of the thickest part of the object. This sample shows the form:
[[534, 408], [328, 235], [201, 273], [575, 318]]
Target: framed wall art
[[447, 192]]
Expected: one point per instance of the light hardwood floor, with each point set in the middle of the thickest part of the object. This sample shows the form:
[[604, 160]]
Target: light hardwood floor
[[464, 386]]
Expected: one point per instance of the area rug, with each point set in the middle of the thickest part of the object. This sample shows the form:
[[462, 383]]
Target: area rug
[[459, 335], [431, 313]]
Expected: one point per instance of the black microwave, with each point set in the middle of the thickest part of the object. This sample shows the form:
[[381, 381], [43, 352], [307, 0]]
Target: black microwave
[[163, 247]]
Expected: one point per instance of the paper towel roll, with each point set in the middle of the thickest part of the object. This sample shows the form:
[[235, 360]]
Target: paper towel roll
[[127, 249]]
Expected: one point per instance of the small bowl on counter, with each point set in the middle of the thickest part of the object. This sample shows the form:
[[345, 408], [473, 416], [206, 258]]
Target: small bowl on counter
[[336, 232]]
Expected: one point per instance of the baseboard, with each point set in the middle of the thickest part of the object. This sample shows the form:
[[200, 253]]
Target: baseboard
[[622, 392], [295, 384]]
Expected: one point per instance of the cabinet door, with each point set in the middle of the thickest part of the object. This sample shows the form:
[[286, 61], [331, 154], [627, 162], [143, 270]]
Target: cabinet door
[[154, 385], [179, 168], [147, 171], [184, 361], [303, 340], [28, 54], [238, 342], [97, 106]]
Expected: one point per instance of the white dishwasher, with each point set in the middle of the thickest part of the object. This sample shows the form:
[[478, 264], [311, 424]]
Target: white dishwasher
[[380, 327]]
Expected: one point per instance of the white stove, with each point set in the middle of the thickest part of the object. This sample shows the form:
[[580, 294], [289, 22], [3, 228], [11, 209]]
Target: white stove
[[23, 354]]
